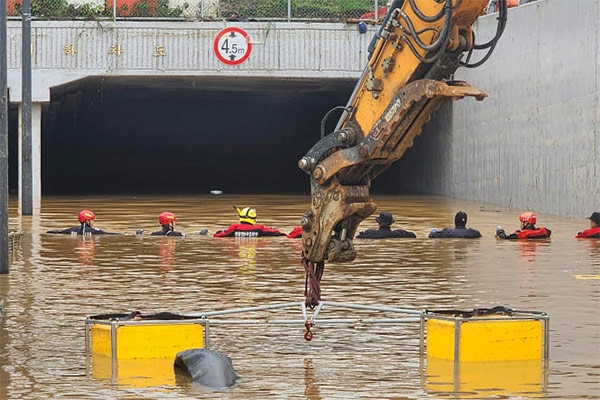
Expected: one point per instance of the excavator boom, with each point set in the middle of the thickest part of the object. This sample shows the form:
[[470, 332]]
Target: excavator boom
[[411, 63]]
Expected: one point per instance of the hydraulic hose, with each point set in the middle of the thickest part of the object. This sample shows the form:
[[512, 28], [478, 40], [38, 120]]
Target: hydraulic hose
[[440, 44], [503, 11], [424, 17], [326, 117], [492, 43]]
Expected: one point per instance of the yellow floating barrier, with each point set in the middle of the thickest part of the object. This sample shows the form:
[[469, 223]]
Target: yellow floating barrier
[[491, 352], [139, 350], [497, 334], [484, 339]]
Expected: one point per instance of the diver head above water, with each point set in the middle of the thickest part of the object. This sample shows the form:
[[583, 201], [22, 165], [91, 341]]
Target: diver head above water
[[247, 215], [385, 218], [528, 220], [460, 220], [167, 221], [86, 217], [594, 220]]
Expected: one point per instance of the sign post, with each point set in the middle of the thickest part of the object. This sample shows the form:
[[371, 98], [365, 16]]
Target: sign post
[[3, 143], [26, 137], [232, 46]]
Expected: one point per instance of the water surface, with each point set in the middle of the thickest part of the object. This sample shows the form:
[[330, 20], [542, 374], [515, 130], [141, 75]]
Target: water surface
[[55, 281]]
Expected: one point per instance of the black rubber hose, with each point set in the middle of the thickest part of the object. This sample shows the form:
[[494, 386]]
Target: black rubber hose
[[326, 117], [435, 45], [420, 57], [445, 38], [424, 17], [492, 43], [500, 27]]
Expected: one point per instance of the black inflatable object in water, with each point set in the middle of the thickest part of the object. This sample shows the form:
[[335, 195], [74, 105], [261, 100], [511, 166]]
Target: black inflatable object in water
[[207, 367]]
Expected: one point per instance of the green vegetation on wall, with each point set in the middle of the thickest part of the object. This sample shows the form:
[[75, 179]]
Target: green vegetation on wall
[[321, 9], [248, 9], [62, 10]]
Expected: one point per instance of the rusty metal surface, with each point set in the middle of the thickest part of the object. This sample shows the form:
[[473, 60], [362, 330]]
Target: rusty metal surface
[[401, 121], [331, 204]]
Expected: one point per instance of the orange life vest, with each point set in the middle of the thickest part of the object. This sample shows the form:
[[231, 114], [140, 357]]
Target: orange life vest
[[591, 233], [537, 233]]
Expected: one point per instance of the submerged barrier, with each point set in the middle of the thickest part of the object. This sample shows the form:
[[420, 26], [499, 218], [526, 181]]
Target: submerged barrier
[[129, 349], [499, 351], [459, 350]]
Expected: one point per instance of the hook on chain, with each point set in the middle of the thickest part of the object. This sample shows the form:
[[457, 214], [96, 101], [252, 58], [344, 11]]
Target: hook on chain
[[308, 335]]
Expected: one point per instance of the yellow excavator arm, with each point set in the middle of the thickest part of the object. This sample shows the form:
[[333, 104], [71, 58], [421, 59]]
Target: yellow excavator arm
[[411, 64]]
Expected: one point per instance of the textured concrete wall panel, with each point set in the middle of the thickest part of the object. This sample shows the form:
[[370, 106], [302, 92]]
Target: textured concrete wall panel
[[534, 142]]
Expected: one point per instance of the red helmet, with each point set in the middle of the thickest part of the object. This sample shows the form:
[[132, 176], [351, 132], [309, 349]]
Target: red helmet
[[86, 215], [528, 217], [166, 218]]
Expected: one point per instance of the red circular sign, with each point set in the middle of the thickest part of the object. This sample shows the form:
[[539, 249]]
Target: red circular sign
[[232, 46]]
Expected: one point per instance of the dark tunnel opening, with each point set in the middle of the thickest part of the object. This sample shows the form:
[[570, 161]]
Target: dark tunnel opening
[[187, 136], [191, 135]]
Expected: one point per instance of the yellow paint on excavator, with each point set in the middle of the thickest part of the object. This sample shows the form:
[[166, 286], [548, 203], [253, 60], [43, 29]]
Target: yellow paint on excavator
[[367, 108]]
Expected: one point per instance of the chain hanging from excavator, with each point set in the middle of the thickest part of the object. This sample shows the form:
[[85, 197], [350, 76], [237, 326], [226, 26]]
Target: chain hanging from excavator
[[412, 60]]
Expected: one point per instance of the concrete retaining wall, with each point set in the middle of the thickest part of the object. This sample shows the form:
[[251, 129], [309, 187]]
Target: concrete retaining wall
[[535, 142]]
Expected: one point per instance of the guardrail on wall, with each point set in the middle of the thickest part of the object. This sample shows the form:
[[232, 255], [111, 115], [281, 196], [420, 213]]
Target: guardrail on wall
[[203, 10]]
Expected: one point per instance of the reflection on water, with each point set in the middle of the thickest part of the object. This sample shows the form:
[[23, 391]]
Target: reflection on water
[[471, 380], [166, 253], [85, 249], [133, 373], [311, 391], [55, 281]]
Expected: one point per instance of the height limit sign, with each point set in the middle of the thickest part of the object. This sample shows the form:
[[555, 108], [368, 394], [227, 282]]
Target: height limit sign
[[232, 46]]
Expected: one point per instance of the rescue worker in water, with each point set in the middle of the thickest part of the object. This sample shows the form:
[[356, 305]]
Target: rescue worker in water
[[528, 229], [460, 229], [167, 221], [86, 219], [247, 227], [385, 221], [594, 231]]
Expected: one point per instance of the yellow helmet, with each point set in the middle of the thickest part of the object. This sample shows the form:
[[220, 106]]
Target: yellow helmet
[[247, 215]]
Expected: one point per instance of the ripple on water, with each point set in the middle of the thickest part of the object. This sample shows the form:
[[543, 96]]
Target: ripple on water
[[56, 281]]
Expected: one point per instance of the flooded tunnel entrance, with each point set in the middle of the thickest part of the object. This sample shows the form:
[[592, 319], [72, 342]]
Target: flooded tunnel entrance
[[185, 135]]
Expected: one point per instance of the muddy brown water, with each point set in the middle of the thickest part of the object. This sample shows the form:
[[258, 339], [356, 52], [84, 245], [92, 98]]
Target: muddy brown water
[[55, 281]]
